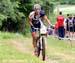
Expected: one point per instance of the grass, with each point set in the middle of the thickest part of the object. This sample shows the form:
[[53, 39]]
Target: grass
[[9, 54], [7, 35], [69, 12], [60, 51], [57, 50]]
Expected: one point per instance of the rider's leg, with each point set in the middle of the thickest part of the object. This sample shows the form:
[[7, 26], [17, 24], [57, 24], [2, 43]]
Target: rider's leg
[[34, 36], [34, 39]]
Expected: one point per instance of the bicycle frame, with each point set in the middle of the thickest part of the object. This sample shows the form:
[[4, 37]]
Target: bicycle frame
[[40, 37], [41, 45]]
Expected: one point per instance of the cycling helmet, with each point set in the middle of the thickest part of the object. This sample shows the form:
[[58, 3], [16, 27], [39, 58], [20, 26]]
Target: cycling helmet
[[37, 7]]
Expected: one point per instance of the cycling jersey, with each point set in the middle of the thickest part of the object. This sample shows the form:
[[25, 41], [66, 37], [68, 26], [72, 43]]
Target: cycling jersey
[[36, 19]]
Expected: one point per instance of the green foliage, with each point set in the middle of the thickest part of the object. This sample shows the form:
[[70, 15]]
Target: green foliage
[[9, 8], [2, 17], [18, 11], [72, 2], [25, 7], [49, 7]]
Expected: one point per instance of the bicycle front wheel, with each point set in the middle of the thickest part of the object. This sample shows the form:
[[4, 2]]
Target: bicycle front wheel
[[43, 48], [38, 46]]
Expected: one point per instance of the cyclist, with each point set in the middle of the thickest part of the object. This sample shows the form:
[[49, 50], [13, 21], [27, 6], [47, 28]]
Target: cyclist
[[35, 22]]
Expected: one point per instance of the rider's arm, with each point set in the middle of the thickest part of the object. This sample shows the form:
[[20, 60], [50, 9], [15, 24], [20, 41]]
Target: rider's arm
[[30, 22], [30, 18], [47, 20], [45, 17]]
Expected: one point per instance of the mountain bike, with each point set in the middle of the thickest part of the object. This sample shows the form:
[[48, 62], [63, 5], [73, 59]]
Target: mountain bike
[[41, 43]]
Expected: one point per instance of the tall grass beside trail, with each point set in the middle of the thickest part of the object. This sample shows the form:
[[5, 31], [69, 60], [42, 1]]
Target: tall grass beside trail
[[7, 35], [9, 54], [11, 35]]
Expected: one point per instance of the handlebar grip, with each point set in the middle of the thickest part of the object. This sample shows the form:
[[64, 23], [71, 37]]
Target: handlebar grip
[[52, 26]]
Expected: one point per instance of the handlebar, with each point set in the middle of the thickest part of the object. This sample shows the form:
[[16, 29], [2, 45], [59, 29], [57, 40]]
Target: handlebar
[[50, 27]]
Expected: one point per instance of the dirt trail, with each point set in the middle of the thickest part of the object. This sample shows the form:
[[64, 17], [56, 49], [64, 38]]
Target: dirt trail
[[25, 46], [22, 46]]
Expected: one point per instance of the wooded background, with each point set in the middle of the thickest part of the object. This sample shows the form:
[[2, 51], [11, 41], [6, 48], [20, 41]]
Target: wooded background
[[14, 13]]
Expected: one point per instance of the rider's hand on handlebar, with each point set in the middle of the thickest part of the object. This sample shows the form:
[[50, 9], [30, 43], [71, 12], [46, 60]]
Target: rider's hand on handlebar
[[51, 27], [35, 28]]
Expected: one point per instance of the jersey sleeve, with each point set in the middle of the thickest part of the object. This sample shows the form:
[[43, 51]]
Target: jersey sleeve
[[31, 15], [42, 13]]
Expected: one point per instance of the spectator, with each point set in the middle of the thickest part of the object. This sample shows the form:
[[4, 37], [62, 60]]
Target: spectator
[[60, 21], [74, 24], [69, 25]]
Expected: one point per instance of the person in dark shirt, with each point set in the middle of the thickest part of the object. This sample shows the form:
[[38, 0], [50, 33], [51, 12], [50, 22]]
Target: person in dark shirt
[[69, 25], [74, 24]]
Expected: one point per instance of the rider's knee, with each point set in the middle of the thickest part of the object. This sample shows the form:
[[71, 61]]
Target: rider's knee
[[34, 36]]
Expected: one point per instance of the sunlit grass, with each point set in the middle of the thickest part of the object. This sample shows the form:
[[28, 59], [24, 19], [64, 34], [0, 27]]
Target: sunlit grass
[[60, 50], [9, 54]]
